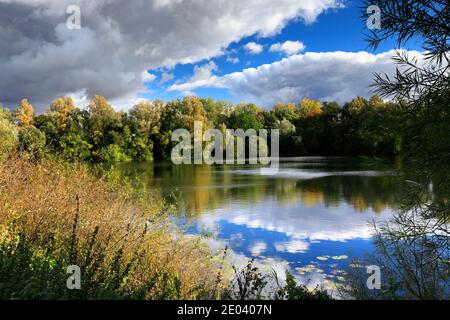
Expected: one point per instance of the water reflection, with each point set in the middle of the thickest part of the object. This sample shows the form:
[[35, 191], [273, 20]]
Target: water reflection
[[311, 217]]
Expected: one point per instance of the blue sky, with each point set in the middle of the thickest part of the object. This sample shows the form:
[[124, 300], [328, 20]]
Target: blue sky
[[334, 30]]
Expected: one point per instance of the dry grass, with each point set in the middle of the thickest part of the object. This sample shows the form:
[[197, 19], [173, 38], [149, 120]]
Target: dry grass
[[123, 245]]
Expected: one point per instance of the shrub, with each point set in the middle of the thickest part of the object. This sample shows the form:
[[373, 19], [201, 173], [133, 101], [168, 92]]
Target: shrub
[[33, 141], [293, 291], [250, 283], [8, 137], [113, 153]]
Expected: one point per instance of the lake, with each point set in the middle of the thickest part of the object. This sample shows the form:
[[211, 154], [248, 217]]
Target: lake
[[311, 218]]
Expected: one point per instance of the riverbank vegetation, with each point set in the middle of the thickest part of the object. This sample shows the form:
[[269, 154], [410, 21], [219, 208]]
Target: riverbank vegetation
[[55, 214], [99, 133]]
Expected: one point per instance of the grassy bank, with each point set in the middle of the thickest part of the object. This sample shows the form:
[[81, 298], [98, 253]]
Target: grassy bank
[[54, 214]]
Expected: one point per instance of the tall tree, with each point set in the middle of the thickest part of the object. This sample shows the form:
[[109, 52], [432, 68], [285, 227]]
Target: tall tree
[[193, 109], [286, 111], [146, 116], [309, 108], [103, 121], [24, 113], [246, 116], [61, 108], [8, 134]]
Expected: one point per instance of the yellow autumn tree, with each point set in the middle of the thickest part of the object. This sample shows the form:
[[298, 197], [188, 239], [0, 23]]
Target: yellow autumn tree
[[24, 114], [193, 108], [146, 116], [356, 105], [310, 108], [376, 102], [99, 105], [286, 111], [61, 108]]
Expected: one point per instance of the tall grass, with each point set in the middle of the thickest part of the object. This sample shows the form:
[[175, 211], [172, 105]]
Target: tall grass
[[54, 214]]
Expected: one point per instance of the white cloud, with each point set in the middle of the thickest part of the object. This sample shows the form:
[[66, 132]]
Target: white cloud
[[257, 248], [292, 246], [288, 47], [203, 72], [233, 59], [324, 76], [253, 48], [147, 77], [119, 39]]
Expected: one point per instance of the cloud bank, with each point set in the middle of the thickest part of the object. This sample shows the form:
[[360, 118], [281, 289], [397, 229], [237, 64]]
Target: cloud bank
[[324, 76], [119, 40]]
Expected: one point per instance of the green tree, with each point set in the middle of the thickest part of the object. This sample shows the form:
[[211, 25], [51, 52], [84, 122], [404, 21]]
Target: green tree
[[246, 116], [113, 153], [9, 135], [103, 125], [74, 148], [217, 112], [32, 141], [48, 125], [172, 118]]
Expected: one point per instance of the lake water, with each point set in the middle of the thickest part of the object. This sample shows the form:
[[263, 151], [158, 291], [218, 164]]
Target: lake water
[[311, 218]]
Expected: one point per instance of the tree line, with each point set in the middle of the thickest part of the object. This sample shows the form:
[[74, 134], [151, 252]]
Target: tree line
[[99, 133]]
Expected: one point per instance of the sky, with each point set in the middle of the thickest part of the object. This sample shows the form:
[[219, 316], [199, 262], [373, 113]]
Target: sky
[[260, 51]]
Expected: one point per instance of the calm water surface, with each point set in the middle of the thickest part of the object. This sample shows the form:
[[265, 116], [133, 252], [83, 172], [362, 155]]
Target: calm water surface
[[312, 217]]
